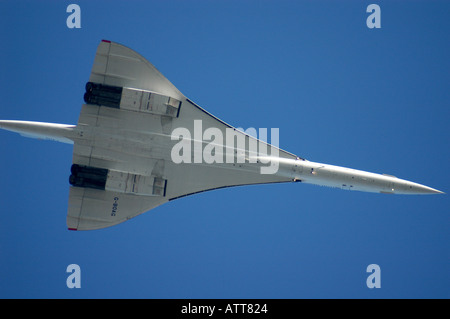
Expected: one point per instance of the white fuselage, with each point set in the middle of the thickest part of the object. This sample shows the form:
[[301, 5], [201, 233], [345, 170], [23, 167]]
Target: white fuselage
[[297, 170], [350, 179]]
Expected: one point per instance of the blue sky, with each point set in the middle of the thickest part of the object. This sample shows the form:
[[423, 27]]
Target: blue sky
[[339, 92]]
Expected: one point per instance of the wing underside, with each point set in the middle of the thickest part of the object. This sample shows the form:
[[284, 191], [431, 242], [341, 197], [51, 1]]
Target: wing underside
[[94, 209], [122, 158]]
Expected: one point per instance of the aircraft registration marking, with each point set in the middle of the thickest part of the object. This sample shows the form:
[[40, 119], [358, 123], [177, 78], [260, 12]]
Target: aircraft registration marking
[[115, 206]]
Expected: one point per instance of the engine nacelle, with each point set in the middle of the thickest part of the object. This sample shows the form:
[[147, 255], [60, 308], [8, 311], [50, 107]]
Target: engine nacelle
[[116, 181], [131, 99]]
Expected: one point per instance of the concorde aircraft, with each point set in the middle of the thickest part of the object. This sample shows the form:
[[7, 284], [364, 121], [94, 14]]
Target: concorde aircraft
[[140, 143]]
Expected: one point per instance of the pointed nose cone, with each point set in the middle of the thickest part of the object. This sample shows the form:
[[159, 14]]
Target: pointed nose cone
[[429, 190], [415, 188]]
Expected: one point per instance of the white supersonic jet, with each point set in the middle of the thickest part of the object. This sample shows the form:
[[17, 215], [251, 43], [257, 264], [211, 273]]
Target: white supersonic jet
[[135, 122]]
